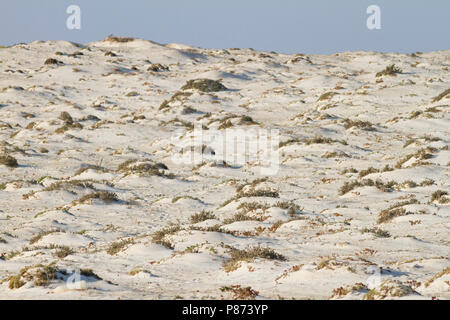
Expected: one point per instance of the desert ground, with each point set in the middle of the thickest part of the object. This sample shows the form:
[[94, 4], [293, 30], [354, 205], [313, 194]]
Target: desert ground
[[94, 205]]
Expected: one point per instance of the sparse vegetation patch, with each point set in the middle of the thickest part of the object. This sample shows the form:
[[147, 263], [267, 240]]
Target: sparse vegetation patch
[[395, 210], [204, 85], [390, 70], [250, 254]]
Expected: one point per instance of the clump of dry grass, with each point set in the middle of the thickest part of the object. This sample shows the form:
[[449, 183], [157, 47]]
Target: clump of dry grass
[[328, 263], [327, 95], [250, 254], [225, 123], [440, 197], [367, 171], [144, 168], [364, 125], [288, 142], [202, 216], [433, 109], [409, 142], [441, 95], [251, 185], [177, 96], [8, 160], [110, 54], [41, 275], [214, 228], [66, 185], [92, 167], [251, 192], [135, 271], [89, 273], [290, 206], [389, 288], [189, 110], [349, 170], [118, 246], [44, 275], [31, 125], [240, 293], [437, 276], [429, 138], [415, 114], [69, 123], [164, 105], [204, 85], [343, 291], [106, 196], [67, 127], [51, 61], [132, 94], [390, 70], [350, 185], [427, 182], [321, 140], [112, 38], [247, 120], [422, 154], [159, 236], [177, 198], [377, 232], [64, 251], [240, 216], [10, 255], [259, 193], [179, 122], [252, 206], [75, 54], [124, 165], [42, 234], [66, 117], [157, 67], [15, 282], [395, 210], [334, 154]]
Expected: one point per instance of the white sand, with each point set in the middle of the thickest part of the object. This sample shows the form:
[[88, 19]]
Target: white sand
[[322, 240]]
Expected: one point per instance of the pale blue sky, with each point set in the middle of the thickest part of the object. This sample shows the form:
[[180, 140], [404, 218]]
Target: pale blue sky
[[289, 26]]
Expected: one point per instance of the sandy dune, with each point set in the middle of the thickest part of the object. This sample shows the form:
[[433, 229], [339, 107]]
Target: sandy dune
[[94, 205]]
